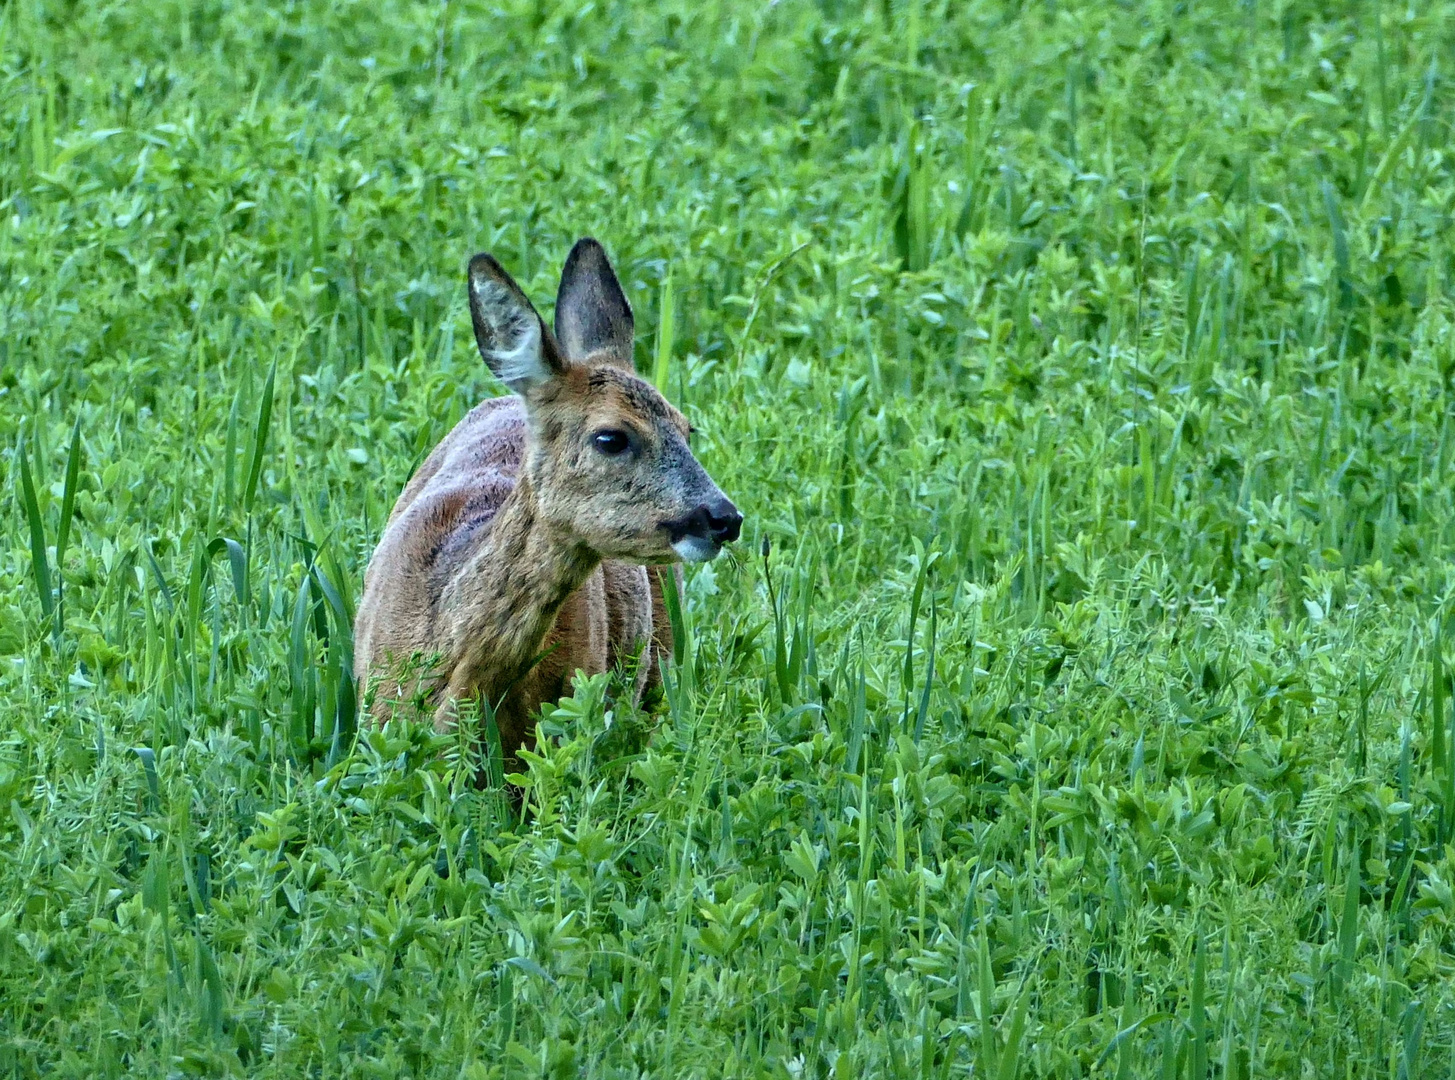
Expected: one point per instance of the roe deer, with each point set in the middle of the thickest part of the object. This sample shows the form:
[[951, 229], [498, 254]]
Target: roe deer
[[515, 554]]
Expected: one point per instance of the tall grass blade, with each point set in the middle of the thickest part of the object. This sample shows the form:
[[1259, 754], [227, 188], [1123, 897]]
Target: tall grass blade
[[918, 200], [1413, 1025], [1442, 752], [148, 760], [494, 755], [1149, 477], [800, 653], [196, 584], [260, 440], [665, 330], [1437, 702], [211, 1001], [924, 699], [676, 618], [973, 167], [229, 452], [161, 578], [964, 985], [156, 883], [39, 563], [300, 671], [1401, 142], [780, 631], [1010, 1054], [68, 495], [916, 597], [342, 690], [1339, 233], [237, 560], [909, 200], [1449, 811], [1120, 1042], [858, 714], [1197, 1069], [1348, 920]]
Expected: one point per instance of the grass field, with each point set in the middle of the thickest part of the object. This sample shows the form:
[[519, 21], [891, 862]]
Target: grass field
[[1088, 369]]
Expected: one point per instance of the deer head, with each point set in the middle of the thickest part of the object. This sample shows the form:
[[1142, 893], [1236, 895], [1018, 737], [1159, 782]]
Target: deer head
[[606, 455]]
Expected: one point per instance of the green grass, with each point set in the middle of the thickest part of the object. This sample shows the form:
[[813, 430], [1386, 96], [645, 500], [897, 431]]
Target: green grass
[[1089, 369]]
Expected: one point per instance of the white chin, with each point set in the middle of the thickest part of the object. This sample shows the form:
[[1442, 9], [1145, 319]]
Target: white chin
[[696, 549]]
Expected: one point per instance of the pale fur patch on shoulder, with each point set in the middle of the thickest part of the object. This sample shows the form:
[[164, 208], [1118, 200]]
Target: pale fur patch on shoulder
[[516, 359]]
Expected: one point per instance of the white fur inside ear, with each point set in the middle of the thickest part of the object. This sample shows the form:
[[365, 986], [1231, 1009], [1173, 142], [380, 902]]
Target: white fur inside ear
[[517, 359], [522, 363]]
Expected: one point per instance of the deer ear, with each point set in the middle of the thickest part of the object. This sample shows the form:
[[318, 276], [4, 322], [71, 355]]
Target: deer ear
[[592, 313], [513, 341]]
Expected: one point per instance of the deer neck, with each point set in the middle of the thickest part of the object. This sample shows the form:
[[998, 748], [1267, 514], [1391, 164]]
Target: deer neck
[[498, 609]]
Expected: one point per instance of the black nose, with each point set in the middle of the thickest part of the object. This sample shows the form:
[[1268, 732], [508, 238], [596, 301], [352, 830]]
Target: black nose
[[717, 520], [724, 523]]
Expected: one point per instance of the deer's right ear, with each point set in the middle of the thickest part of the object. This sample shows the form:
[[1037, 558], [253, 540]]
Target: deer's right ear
[[513, 341], [592, 313]]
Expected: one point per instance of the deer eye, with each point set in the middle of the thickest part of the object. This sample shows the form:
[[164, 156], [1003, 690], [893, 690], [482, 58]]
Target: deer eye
[[611, 442]]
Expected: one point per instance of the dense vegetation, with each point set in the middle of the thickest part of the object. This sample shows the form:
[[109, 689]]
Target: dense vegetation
[[1087, 368]]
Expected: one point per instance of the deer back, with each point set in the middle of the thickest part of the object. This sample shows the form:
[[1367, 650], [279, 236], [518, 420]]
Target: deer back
[[453, 495]]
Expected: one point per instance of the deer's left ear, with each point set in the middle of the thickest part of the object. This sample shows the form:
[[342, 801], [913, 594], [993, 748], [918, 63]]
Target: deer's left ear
[[592, 313], [513, 340]]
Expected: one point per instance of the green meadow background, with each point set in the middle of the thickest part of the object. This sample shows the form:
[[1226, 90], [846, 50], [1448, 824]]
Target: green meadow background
[[1077, 702]]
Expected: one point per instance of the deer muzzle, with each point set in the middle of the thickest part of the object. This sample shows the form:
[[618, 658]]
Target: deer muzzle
[[699, 535]]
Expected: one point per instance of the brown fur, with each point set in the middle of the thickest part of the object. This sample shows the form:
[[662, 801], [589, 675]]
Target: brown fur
[[515, 554]]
